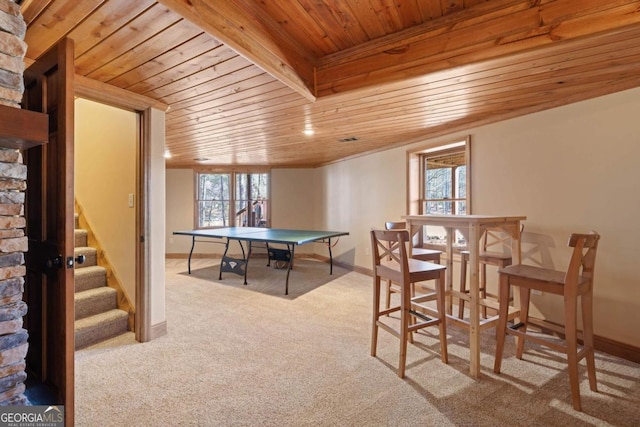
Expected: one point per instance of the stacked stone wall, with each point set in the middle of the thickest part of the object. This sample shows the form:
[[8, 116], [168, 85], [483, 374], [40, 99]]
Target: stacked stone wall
[[13, 242], [12, 51], [13, 245]]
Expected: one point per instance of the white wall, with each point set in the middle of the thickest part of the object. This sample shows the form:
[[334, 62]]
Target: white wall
[[105, 174], [293, 203], [359, 195], [292, 194], [570, 169], [180, 204]]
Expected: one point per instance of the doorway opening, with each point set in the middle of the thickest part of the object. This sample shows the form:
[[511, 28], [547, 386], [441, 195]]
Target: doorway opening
[[107, 147]]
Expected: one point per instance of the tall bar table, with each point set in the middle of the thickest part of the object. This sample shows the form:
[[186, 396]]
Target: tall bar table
[[472, 227]]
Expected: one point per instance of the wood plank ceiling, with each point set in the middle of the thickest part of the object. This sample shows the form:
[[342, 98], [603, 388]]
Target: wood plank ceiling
[[244, 78]]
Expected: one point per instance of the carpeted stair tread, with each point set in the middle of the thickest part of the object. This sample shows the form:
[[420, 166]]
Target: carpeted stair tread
[[97, 317], [80, 236], [94, 301], [91, 256], [90, 277], [93, 329]]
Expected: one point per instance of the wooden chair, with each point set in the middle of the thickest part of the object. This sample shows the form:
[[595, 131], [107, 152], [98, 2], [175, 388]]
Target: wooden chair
[[491, 238], [576, 282], [391, 262], [421, 254]]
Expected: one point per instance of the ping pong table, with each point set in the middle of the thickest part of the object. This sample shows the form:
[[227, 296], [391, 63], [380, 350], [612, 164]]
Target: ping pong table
[[290, 238]]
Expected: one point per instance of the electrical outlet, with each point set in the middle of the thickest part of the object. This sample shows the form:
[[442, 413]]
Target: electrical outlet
[[536, 292], [367, 251]]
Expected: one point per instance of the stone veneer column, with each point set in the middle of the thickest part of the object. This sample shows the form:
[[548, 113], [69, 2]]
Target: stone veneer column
[[13, 242], [12, 51]]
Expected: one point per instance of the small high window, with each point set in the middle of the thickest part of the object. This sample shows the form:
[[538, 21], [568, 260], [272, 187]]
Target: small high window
[[439, 183], [444, 189]]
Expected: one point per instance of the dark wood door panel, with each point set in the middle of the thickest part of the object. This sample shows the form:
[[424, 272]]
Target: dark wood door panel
[[49, 287]]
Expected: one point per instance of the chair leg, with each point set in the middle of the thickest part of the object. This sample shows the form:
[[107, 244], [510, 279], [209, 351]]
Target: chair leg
[[501, 327], [412, 319], [483, 287], [376, 315], [388, 295], [504, 264], [571, 337], [405, 305], [463, 285], [587, 332], [525, 294], [442, 313]]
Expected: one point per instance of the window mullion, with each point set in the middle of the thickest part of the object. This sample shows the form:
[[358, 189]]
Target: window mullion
[[232, 202]]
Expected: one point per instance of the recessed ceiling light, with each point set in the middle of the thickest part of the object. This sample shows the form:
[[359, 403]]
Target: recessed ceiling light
[[167, 154], [348, 139]]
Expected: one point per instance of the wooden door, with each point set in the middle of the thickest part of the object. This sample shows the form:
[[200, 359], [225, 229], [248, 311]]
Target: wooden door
[[49, 212]]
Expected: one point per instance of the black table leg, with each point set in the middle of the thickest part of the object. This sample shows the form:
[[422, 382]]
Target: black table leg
[[330, 258], [193, 244], [268, 257], [246, 259], [286, 288], [224, 257]]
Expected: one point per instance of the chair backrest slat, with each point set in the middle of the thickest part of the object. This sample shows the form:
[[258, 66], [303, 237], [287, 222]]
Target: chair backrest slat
[[390, 246], [583, 257], [497, 240], [393, 225]]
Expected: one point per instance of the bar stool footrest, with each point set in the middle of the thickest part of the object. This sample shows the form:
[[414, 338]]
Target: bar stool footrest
[[516, 326], [420, 315]]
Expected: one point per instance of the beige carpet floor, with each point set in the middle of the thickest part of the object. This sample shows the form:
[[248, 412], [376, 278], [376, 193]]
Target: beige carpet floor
[[240, 355]]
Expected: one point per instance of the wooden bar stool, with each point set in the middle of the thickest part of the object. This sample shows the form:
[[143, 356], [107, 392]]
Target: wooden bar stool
[[421, 254], [391, 262], [576, 282], [491, 238]]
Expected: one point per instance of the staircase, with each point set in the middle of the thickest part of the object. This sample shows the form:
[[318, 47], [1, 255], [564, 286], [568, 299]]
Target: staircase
[[97, 315]]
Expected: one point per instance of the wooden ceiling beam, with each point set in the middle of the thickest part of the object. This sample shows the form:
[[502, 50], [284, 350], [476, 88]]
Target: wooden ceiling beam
[[112, 95], [30, 9], [253, 38]]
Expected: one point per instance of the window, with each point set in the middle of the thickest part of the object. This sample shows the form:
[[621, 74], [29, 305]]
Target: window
[[445, 182], [439, 179], [251, 199], [232, 199]]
